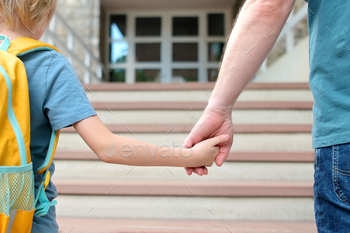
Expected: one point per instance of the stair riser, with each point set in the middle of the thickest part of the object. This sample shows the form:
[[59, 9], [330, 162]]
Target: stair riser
[[247, 95], [242, 142], [229, 171], [279, 209], [186, 117]]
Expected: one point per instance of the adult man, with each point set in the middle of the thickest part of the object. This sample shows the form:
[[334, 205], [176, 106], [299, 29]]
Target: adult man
[[256, 30]]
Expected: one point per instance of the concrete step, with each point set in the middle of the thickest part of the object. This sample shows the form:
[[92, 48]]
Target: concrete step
[[190, 86], [193, 105], [238, 156], [198, 95], [186, 128], [186, 207], [191, 117], [184, 188], [108, 225], [189, 112], [194, 92], [229, 171], [258, 141]]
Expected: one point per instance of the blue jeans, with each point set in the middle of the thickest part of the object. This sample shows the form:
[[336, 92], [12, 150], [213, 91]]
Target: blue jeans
[[46, 223], [332, 189]]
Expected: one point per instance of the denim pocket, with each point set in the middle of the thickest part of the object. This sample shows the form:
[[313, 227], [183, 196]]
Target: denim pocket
[[341, 172]]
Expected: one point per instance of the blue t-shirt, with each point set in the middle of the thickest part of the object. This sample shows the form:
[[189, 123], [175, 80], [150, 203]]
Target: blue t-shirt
[[329, 31], [57, 100]]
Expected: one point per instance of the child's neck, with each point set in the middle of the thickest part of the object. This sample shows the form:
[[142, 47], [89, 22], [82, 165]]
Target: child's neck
[[21, 31]]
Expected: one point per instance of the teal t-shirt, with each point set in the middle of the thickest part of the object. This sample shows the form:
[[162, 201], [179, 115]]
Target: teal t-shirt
[[57, 100], [329, 31]]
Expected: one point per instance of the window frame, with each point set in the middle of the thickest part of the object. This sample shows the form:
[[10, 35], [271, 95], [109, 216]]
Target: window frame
[[166, 65]]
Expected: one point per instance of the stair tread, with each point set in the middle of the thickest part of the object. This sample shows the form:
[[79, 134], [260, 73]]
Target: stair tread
[[296, 105], [189, 86], [186, 128], [246, 156], [105, 225], [185, 188]]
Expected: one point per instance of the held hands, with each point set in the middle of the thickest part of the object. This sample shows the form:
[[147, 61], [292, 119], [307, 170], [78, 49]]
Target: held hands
[[206, 151], [215, 121]]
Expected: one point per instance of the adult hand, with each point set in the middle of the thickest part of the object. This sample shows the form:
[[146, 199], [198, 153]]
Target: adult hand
[[205, 152], [215, 121]]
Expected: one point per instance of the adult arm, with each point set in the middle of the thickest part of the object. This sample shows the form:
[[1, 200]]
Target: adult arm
[[257, 28]]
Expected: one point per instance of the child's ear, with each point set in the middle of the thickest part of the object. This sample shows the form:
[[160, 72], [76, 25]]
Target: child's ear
[[47, 20], [39, 33], [47, 17]]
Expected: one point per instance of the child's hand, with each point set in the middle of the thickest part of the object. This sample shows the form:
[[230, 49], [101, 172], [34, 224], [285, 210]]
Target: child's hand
[[205, 152]]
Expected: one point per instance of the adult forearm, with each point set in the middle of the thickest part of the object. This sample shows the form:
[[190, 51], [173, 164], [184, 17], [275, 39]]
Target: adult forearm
[[256, 31]]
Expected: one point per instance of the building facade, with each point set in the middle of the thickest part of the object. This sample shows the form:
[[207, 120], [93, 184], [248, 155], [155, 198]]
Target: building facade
[[164, 41], [159, 40]]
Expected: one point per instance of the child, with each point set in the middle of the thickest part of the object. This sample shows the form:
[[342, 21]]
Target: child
[[57, 100]]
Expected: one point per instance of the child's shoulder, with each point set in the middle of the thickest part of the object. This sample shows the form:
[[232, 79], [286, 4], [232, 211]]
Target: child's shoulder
[[45, 56], [49, 62]]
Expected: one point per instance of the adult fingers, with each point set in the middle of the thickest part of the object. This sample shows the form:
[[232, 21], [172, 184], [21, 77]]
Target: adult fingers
[[199, 171], [205, 170], [188, 143], [189, 170], [222, 156], [218, 139]]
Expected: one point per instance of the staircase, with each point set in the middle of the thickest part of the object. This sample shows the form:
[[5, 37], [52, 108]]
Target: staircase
[[264, 186]]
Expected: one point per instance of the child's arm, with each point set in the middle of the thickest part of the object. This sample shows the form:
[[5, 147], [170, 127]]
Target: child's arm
[[116, 149]]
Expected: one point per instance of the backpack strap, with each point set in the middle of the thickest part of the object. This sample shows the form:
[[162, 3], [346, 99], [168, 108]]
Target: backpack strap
[[6, 44], [50, 152], [44, 203], [24, 45], [41, 198], [20, 47]]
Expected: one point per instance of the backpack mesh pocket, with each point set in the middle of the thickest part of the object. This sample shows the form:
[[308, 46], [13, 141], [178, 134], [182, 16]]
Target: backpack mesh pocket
[[17, 191]]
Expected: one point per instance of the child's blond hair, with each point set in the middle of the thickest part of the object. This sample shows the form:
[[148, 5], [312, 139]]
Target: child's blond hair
[[32, 13]]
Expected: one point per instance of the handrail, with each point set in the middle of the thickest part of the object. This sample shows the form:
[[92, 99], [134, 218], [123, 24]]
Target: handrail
[[293, 21], [75, 36], [71, 54], [52, 37]]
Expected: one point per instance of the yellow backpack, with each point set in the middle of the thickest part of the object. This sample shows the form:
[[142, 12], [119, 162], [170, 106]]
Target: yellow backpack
[[17, 197]]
